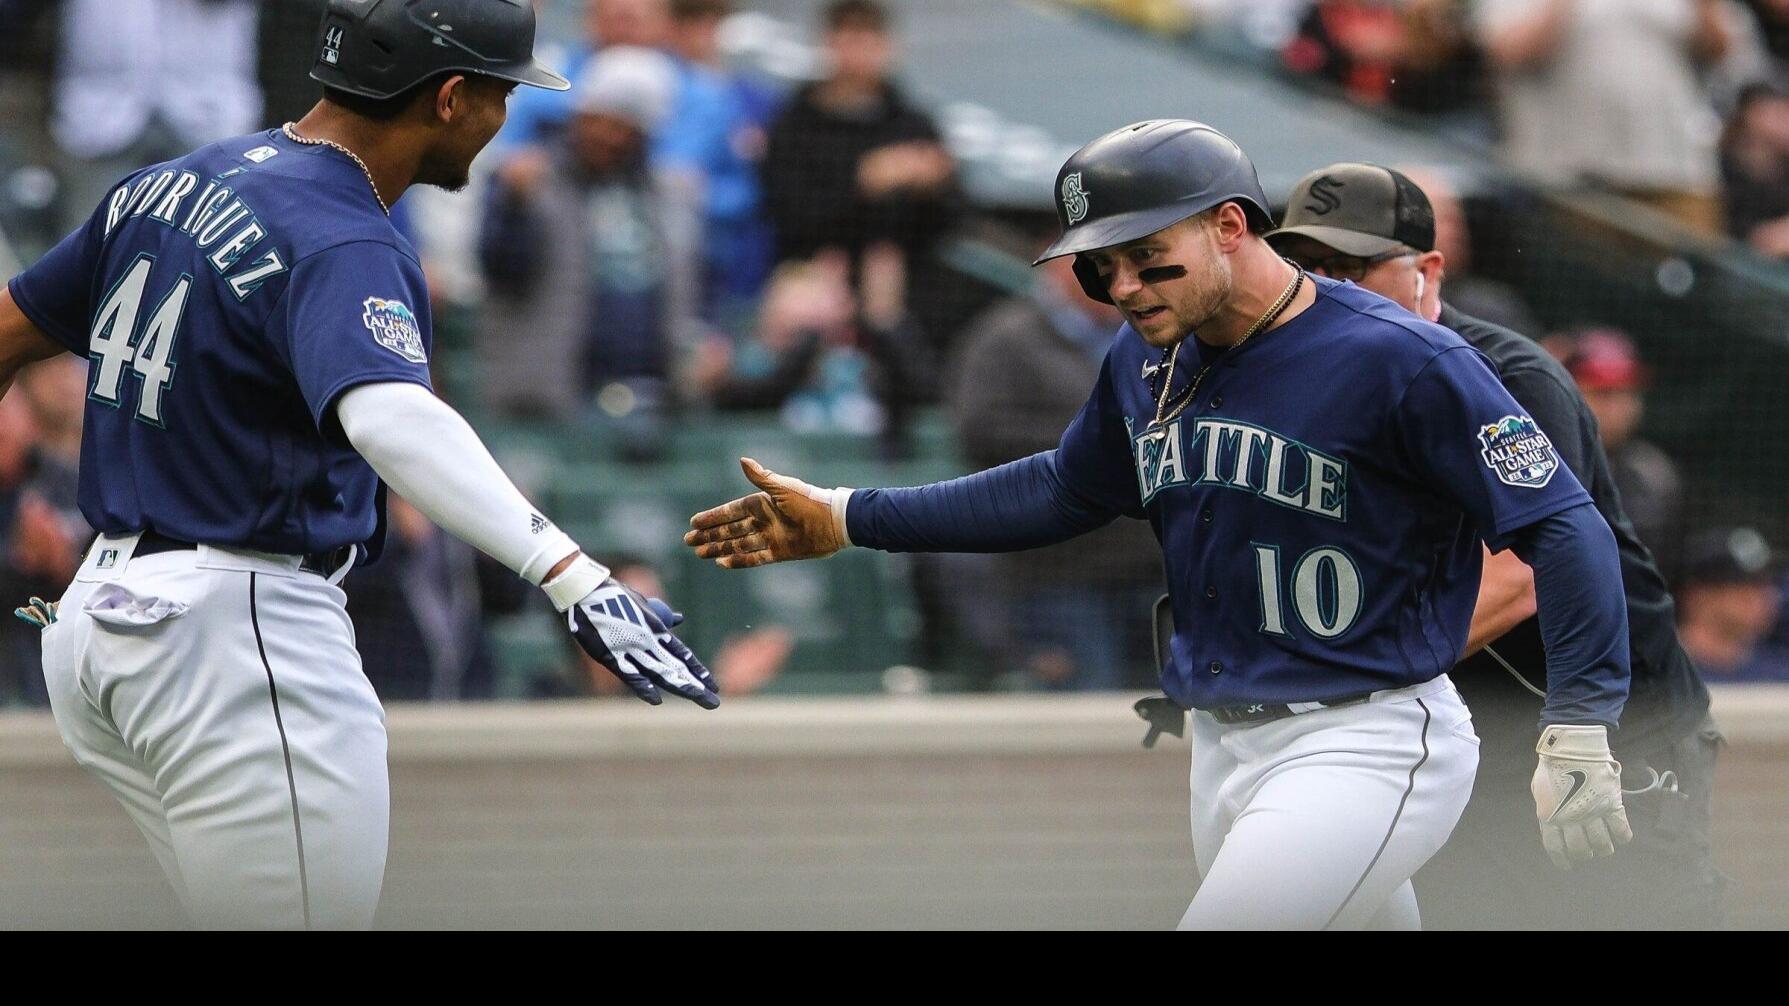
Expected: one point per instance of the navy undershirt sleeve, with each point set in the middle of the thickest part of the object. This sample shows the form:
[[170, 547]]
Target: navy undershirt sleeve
[[1583, 615], [1085, 483], [1021, 504]]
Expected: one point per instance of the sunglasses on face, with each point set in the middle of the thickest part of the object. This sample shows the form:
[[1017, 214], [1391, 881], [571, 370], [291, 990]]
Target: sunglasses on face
[[1348, 267]]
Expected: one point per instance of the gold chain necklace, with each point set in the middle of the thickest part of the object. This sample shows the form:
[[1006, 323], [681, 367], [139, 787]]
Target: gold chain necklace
[[292, 135], [1162, 414]]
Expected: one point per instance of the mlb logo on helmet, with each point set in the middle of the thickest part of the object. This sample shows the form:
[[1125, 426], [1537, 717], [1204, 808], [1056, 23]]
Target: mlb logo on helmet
[[1518, 452], [332, 44]]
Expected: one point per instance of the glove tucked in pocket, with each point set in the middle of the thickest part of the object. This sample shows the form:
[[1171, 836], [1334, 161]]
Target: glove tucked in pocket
[[37, 613], [120, 607]]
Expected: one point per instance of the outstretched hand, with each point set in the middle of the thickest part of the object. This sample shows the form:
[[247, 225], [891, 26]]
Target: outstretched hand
[[787, 519]]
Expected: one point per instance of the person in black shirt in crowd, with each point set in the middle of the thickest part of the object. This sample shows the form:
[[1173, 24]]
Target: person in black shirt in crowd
[[1374, 226], [850, 162]]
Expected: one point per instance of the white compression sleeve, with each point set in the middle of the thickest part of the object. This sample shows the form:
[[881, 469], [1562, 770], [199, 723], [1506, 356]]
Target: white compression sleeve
[[427, 453]]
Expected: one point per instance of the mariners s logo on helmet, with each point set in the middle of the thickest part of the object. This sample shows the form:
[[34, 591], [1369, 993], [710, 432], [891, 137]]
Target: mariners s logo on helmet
[[1518, 452], [1074, 198]]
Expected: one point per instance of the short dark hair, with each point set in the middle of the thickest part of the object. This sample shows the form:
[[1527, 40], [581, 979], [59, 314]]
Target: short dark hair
[[386, 109], [867, 15], [692, 10]]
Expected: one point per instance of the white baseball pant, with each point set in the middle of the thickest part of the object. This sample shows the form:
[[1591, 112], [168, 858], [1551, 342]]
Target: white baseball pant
[[218, 695], [1318, 821]]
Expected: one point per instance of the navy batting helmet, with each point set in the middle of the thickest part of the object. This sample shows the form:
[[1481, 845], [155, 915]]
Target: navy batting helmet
[[1137, 180], [381, 48]]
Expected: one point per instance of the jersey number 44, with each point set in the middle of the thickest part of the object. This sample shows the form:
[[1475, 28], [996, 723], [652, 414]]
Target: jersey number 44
[[117, 340]]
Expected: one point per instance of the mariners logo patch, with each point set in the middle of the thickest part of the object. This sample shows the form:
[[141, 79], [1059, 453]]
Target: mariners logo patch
[[394, 327], [1074, 198], [1517, 450]]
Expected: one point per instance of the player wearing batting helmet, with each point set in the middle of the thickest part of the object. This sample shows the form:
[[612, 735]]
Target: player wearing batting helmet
[[1323, 470], [1376, 227], [259, 338]]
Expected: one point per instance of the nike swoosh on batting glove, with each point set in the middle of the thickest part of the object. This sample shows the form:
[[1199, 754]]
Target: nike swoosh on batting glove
[[629, 635], [1577, 794]]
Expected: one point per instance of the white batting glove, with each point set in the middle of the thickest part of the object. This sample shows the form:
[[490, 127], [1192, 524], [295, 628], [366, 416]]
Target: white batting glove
[[1577, 795]]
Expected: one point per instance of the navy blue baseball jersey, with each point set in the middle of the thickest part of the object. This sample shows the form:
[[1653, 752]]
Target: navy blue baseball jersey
[[225, 300], [1320, 502]]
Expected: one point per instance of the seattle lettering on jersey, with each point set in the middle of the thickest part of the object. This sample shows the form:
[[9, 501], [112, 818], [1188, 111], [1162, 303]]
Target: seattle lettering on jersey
[[1235, 455], [217, 221]]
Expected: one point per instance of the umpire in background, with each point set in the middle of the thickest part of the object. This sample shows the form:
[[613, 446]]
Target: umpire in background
[[1374, 226]]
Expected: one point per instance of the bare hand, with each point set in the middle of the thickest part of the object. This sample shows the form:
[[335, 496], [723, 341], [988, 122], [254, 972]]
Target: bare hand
[[788, 519]]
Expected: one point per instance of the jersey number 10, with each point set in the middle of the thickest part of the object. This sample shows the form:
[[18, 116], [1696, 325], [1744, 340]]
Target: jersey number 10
[[115, 340], [1325, 591]]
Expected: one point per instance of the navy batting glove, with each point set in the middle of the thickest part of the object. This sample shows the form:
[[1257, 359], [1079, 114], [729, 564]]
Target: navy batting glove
[[630, 635]]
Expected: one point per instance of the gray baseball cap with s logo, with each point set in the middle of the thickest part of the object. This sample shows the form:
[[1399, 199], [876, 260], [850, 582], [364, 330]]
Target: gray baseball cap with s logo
[[1359, 209]]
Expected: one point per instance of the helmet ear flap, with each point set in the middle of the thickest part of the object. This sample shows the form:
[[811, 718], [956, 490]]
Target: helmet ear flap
[[1091, 283]]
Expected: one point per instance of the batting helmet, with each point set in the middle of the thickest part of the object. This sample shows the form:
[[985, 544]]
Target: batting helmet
[[1137, 180], [381, 48]]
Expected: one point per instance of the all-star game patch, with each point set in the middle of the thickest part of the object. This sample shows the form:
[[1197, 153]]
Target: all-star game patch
[[1517, 450], [394, 326]]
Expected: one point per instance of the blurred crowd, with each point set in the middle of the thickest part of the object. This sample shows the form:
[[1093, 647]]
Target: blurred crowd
[[678, 235], [1680, 104]]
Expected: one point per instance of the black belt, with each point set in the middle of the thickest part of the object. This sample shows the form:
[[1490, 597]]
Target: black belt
[[1263, 712], [321, 563]]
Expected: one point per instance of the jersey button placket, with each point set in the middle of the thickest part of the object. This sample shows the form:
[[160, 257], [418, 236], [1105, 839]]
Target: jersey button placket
[[1217, 667], [1211, 593], [1206, 516]]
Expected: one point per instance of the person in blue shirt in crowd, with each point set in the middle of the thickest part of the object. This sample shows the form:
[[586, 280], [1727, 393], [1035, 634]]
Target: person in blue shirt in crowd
[[715, 137]]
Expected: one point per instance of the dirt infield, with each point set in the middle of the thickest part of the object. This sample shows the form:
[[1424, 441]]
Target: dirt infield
[[1092, 836]]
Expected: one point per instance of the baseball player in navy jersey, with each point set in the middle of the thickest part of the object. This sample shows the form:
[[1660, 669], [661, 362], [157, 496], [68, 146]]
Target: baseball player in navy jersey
[[259, 337], [1321, 468], [1375, 226]]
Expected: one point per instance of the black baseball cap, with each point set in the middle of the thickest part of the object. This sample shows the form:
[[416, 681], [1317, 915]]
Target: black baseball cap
[[1359, 209], [1727, 555], [380, 48]]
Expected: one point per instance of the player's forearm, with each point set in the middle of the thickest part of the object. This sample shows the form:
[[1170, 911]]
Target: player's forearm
[[425, 451], [1583, 615], [1505, 600], [1025, 504]]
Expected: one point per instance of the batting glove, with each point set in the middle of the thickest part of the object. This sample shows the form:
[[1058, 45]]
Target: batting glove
[[788, 519], [630, 635], [37, 613], [1577, 795]]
